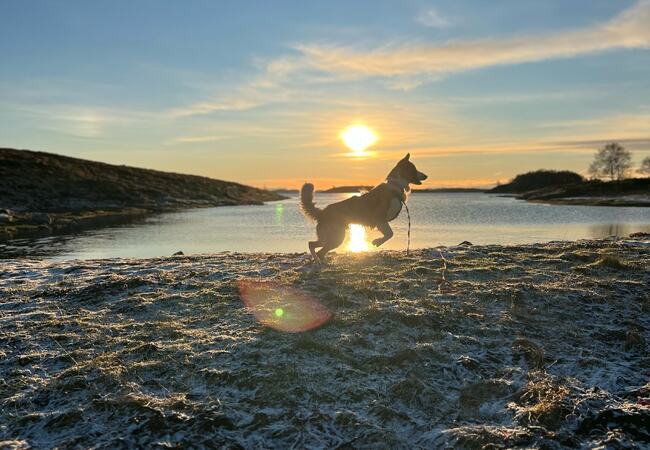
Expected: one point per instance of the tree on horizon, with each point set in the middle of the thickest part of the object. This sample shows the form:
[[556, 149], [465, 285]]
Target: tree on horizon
[[612, 161], [644, 168]]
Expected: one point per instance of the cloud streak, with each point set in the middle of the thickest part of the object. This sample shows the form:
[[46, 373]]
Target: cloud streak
[[628, 30], [85, 121], [431, 18]]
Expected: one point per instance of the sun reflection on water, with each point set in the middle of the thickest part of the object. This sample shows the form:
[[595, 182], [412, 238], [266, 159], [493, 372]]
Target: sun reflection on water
[[357, 242]]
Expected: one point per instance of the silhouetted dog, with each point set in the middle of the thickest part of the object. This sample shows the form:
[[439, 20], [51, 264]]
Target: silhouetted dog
[[373, 209]]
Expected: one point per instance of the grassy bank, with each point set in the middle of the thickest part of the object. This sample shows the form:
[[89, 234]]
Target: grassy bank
[[42, 192]]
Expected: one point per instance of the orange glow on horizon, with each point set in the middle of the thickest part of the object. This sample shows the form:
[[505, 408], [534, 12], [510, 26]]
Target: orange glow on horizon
[[327, 183]]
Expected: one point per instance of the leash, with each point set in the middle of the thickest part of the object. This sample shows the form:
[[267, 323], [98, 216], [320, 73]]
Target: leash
[[443, 269], [408, 242]]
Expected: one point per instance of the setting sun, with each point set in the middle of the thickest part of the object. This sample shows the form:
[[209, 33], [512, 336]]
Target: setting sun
[[358, 138]]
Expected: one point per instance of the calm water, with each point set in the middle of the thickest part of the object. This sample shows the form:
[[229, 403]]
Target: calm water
[[436, 219]]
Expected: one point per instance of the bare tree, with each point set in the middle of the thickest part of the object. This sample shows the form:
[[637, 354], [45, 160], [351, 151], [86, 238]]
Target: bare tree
[[612, 161], [645, 166]]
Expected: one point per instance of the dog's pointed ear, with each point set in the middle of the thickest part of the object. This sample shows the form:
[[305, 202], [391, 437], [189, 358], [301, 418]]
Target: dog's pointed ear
[[406, 158]]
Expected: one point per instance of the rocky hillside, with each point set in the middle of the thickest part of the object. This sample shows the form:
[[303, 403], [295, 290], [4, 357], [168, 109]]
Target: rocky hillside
[[43, 189]]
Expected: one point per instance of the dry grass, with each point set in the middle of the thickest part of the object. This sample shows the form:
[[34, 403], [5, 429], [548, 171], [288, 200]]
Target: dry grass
[[544, 401]]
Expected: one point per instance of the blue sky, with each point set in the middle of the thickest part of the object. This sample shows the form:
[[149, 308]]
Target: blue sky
[[258, 92]]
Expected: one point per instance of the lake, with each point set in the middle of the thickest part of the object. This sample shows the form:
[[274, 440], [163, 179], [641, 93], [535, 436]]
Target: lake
[[436, 219]]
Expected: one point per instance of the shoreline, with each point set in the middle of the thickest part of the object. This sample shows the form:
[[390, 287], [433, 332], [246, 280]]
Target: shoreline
[[33, 224], [628, 192], [498, 345], [30, 224], [621, 201], [594, 201]]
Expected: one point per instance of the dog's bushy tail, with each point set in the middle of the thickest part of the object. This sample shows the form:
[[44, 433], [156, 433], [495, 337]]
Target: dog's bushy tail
[[307, 202]]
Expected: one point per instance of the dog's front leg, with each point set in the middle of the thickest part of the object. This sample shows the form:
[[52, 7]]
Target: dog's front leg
[[386, 231]]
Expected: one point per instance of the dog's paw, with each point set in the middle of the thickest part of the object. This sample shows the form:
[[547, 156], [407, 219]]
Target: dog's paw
[[377, 242]]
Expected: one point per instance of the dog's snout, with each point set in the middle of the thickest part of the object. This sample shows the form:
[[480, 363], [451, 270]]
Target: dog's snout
[[422, 176]]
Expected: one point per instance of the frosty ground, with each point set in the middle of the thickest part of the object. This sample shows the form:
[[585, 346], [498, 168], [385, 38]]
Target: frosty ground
[[533, 345]]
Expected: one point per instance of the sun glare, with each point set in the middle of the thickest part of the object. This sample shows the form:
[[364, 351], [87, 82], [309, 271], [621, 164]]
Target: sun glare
[[358, 138], [357, 241]]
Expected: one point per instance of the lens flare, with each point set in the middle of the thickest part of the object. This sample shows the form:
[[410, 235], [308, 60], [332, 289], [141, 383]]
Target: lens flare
[[357, 242], [281, 307], [279, 210]]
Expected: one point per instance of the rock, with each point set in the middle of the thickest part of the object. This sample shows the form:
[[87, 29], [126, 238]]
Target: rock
[[178, 253], [631, 420], [6, 218], [472, 396], [40, 218], [468, 362], [421, 270], [466, 243]]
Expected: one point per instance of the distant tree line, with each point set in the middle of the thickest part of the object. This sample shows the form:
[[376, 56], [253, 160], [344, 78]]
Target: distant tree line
[[645, 166]]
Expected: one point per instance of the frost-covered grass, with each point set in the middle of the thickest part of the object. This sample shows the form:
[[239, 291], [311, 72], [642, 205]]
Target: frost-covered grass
[[539, 345]]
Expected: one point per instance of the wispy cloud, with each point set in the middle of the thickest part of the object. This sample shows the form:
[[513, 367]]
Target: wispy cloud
[[84, 121], [229, 104], [406, 66], [197, 139], [631, 128], [267, 87], [628, 30], [430, 17]]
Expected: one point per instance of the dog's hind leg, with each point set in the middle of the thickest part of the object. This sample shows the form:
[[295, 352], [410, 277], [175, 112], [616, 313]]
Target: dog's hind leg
[[333, 237], [322, 252], [313, 245]]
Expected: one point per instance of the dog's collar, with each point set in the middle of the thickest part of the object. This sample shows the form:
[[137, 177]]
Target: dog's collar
[[398, 187]]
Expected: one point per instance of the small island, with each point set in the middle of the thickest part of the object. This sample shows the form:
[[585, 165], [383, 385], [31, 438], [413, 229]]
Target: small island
[[44, 192], [569, 188], [612, 162]]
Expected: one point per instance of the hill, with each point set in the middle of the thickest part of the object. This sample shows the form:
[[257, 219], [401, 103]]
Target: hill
[[48, 191], [537, 180]]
